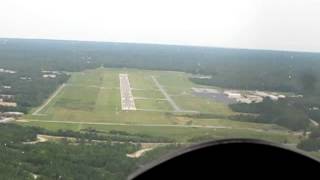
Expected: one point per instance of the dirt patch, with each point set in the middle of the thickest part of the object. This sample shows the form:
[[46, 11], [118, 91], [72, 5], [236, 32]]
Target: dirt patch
[[139, 153], [22, 120], [181, 120], [40, 139]]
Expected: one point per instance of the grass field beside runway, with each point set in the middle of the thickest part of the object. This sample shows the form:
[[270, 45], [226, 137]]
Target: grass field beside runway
[[178, 134], [152, 94]]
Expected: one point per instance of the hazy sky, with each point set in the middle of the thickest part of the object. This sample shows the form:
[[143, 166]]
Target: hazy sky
[[268, 24]]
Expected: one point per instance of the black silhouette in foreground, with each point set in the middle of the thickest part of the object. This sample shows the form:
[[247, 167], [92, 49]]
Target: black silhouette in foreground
[[234, 157]]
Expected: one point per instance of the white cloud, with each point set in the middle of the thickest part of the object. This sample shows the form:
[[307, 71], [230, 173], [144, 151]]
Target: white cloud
[[271, 24]]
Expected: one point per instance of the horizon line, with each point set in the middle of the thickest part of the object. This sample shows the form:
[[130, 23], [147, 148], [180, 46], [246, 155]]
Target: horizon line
[[164, 44]]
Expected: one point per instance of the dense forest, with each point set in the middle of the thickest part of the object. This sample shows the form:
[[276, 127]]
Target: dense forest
[[285, 112], [232, 68], [65, 159], [28, 88]]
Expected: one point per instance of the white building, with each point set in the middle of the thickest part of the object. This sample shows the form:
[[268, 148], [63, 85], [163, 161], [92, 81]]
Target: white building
[[7, 71], [12, 114], [6, 87], [49, 76]]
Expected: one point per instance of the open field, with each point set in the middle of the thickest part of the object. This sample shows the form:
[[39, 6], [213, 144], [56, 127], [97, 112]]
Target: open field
[[179, 134], [92, 98], [148, 94]]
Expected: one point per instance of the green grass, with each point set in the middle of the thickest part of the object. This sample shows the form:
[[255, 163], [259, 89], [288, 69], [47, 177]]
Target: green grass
[[148, 94], [161, 105], [189, 102], [177, 133], [174, 79], [141, 80], [177, 91], [314, 154], [73, 99], [89, 77]]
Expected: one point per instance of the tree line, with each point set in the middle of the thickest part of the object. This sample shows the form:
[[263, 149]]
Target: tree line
[[230, 68], [66, 159]]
